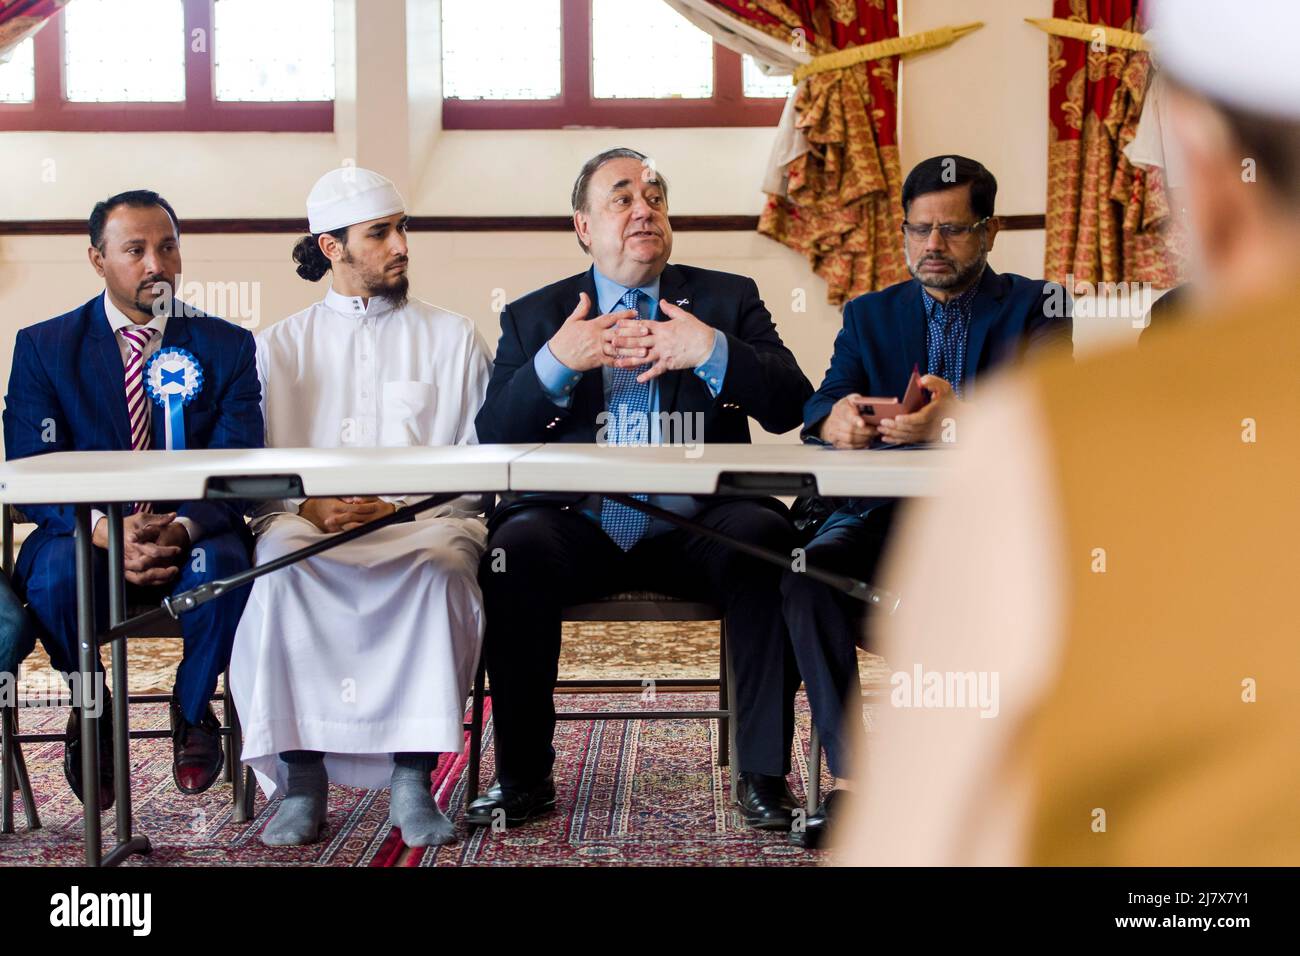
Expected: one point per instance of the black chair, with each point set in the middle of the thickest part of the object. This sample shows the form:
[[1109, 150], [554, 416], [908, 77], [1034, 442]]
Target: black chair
[[11, 740], [631, 606]]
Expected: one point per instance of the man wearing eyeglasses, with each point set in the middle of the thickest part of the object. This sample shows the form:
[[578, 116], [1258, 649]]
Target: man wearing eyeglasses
[[955, 321]]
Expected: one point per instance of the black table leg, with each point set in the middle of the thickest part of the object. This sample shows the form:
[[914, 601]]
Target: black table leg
[[88, 641], [87, 649], [127, 844]]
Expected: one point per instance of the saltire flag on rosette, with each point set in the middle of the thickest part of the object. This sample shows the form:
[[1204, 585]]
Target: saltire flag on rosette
[[172, 378]]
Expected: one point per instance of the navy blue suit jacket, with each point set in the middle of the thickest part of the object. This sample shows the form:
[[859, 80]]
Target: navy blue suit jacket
[[884, 337], [66, 385], [763, 379]]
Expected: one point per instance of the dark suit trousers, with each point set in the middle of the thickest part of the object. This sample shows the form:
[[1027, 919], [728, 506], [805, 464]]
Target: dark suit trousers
[[825, 625], [208, 631], [555, 557]]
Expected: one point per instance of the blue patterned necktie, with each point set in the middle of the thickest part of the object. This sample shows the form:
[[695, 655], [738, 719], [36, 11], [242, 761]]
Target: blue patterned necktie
[[629, 416]]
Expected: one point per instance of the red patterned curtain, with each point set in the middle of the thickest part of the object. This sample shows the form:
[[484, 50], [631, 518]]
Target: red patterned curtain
[[21, 18], [1107, 219], [842, 207]]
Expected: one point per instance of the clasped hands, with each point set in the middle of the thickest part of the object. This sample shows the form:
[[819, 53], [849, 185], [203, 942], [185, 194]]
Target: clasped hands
[[622, 339], [153, 546], [344, 514], [845, 427]]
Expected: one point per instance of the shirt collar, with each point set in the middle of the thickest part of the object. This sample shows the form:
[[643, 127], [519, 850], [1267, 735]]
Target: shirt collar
[[960, 305], [355, 305], [609, 292], [117, 319]]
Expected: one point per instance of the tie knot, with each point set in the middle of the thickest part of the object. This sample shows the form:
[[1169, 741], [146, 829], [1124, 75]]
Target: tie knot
[[631, 300], [138, 338]]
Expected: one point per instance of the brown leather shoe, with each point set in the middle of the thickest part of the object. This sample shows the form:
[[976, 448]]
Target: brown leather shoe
[[197, 754], [72, 755]]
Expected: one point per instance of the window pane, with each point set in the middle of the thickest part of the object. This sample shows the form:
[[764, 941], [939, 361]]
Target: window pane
[[506, 50], [646, 50], [18, 75], [758, 83], [125, 51], [281, 51]]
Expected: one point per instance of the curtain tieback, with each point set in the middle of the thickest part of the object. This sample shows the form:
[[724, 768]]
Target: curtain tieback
[[894, 46], [1113, 37]]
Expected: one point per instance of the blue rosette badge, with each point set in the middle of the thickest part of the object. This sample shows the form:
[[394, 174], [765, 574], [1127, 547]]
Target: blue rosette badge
[[172, 378]]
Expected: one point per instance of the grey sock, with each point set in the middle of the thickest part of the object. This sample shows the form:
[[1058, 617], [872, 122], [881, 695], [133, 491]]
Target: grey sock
[[301, 817], [411, 807]]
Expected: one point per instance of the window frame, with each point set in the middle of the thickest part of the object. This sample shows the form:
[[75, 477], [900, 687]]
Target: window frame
[[576, 106], [200, 111]]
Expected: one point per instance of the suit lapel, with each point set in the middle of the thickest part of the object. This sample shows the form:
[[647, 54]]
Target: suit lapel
[[177, 334], [589, 397], [107, 357], [672, 286], [912, 333], [987, 304]]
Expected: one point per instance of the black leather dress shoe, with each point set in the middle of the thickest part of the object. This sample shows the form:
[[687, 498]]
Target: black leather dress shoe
[[765, 802], [197, 754], [72, 754], [520, 806], [816, 827]]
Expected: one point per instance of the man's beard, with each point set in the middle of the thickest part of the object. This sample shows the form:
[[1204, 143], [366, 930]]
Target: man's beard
[[960, 278], [162, 291], [377, 283], [394, 290]]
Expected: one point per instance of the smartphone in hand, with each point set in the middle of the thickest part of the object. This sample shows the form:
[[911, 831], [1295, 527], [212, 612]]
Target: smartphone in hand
[[874, 410]]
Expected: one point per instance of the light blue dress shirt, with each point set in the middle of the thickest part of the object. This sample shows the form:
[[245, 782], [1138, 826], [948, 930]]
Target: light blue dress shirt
[[558, 382]]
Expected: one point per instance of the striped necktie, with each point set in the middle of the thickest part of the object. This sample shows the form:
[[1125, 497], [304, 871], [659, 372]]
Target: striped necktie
[[629, 407], [137, 404], [137, 408]]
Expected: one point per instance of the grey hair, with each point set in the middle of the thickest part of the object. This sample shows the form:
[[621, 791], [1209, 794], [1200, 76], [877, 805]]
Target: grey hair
[[589, 168]]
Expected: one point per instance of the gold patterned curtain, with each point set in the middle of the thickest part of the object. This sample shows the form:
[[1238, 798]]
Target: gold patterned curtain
[[835, 198], [1108, 220]]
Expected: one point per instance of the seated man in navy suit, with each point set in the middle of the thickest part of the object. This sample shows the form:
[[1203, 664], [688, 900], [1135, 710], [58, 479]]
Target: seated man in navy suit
[[78, 383], [956, 320], [624, 353]]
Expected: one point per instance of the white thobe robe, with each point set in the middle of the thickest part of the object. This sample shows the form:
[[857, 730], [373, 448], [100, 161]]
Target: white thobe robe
[[367, 649]]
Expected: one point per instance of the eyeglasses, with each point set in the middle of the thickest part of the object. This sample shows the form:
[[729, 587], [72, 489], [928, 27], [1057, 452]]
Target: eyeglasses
[[949, 230]]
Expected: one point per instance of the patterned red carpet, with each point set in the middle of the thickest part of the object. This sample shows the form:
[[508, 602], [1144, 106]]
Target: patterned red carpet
[[631, 792]]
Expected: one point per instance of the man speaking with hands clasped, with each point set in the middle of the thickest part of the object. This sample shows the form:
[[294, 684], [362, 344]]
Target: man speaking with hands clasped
[[634, 351]]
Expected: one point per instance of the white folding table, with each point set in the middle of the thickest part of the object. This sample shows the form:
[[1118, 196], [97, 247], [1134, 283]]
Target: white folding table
[[110, 479], [619, 473], [711, 469]]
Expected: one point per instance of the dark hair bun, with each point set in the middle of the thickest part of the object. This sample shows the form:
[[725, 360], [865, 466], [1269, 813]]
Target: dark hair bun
[[312, 263]]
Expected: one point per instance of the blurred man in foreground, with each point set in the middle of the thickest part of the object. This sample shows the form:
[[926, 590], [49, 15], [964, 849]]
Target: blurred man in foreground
[[1115, 549]]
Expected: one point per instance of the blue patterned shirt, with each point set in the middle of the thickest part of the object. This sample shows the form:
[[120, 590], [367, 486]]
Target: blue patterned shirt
[[947, 327]]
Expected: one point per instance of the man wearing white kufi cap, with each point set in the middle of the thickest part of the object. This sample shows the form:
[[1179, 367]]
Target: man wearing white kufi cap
[[1118, 547], [354, 665]]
